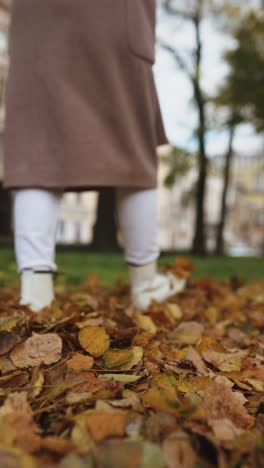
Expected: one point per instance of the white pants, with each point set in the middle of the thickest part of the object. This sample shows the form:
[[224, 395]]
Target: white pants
[[36, 218]]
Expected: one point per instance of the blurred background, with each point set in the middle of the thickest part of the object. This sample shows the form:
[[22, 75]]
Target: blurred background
[[210, 79]]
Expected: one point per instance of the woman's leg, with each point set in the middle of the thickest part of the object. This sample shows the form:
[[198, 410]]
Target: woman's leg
[[138, 219], [35, 223]]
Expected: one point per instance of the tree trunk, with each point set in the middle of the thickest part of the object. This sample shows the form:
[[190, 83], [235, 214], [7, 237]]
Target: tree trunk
[[105, 229], [199, 241], [5, 213], [227, 170]]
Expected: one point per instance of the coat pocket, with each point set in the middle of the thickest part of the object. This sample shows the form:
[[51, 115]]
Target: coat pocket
[[141, 26]]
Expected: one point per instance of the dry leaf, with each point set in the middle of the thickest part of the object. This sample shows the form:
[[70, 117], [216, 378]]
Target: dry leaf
[[116, 357], [37, 350], [220, 402], [256, 384], [7, 342], [187, 333], [137, 356], [226, 362], [7, 324], [94, 340], [102, 424], [174, 311], [195, 358], [224, 430], [146, 323], [178, 451], [125, 378], [79, 362], [37, 382]]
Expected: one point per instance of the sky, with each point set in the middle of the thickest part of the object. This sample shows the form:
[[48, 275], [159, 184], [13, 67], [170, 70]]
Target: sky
[[175, 92]]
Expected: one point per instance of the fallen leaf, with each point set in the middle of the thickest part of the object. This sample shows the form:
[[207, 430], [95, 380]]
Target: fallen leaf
[[102, 424], [220, 402], [137, 356], [187, 333], [125, 378], [79, 362], [146, 323], [178, 452], [174, 311], [195, 358], [224, 430], [94, 340], [256, 384], [37, 350], [37, 382], [116, 357], [7, 324], [129, 454], [73, 398], [7, 342], [226, 362]]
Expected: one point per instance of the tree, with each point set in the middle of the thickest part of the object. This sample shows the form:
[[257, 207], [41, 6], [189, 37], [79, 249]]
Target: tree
[[245, 82], [242, 94], [193, 13]]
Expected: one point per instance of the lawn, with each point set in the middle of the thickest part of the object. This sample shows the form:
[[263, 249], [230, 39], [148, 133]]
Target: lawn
[[75, 266]]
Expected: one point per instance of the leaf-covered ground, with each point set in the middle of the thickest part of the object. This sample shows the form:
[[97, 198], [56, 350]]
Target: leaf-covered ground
[[92, 382]]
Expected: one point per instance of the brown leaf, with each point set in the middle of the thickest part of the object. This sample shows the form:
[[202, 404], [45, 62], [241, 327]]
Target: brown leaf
[[220, 402], [102, 424], [226, 362], [178, 452], [187, 333], [94, 340], [195, 358], [224, 430], [37, 350], [7, 342]]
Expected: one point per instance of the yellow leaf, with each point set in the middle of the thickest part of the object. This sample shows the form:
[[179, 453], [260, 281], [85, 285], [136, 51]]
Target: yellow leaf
[[37, 382], [256, 384], [212, 315], [161, 400], [193, 384], [175, 311], [146, 323], [94, 340], [125, 378], [117, 357], [207, 343], [7, 324], [137, 356], [79, 362]]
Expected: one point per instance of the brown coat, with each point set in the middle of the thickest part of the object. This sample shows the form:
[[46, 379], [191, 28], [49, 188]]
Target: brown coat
[[82, 107]]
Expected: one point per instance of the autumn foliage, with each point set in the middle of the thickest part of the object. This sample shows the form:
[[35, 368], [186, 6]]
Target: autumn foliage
[[93, 382]]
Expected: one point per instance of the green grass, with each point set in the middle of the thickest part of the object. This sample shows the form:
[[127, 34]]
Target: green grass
[[75, 266]]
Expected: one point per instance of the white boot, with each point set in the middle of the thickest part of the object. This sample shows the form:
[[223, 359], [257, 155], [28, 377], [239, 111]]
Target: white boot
[[148, 285], [36, 289]]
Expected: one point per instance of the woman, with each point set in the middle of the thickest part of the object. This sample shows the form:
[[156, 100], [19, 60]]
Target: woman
[[83, 113]]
